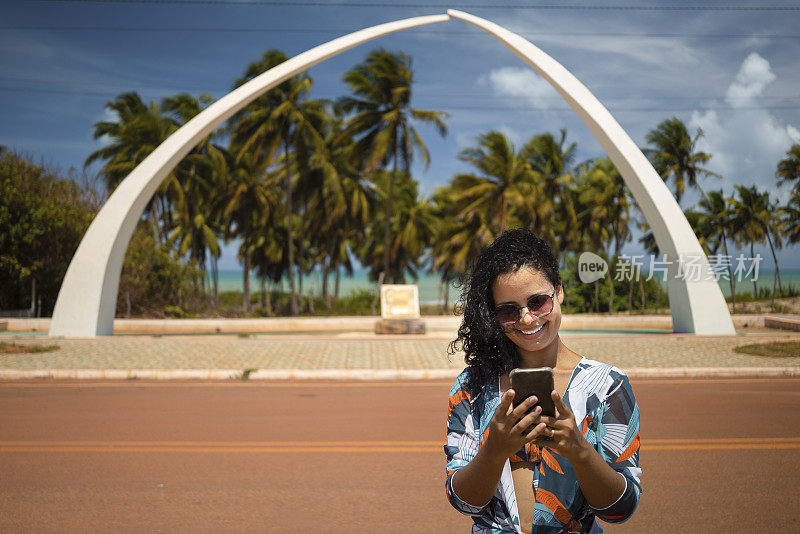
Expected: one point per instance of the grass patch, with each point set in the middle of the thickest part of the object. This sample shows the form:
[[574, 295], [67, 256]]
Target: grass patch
[[13, 348], [246, 373], [775, 349]]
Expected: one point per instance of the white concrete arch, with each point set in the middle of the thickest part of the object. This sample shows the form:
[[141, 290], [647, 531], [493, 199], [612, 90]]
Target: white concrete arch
[[87, 299], [696, 306], [88, 296]]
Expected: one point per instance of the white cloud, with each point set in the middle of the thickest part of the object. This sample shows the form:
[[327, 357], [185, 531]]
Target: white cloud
[[753, 77], [650, 51], [793, 132], [747, 142], [522, 83], [755, 42], [108, 115]]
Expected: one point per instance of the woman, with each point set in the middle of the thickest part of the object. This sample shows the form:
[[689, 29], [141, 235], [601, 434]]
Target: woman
[[531, 473]]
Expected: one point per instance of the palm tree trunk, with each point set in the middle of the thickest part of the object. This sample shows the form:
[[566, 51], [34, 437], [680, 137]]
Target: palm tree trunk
[[630, 295], [32, 312], [326, 269], [730, 274], [775, 278], [775, 259], [377, 298], [154, 223], [447, 295], [166, 215], [440, 291], [246, 295], [752, 255], [292, 296], [387, 226], [336, 283], [658, 293], [246, 281], [611, 276], [641, 291], [596, 297], [268, 302], [300, 257], [215, 274], [610, 292]]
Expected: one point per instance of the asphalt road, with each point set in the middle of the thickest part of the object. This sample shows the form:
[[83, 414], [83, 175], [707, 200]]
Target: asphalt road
[[132, 456]]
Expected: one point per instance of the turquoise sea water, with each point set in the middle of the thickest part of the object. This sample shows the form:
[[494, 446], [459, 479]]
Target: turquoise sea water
[[428, 284], [232, 280]]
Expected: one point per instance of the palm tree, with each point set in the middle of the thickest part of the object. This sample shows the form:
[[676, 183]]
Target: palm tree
[[755, 219], [551, 159], [788, 170], [595, 219], [196, 214], [500, 186], [554, 164], [249, 198], [673, 155], [790, 214], [608, 203], [457, 239], [138, 130], [382, 124], [648, 241], [716, 225], [338, 200], [267, 254], [278, 120], [411, 230]]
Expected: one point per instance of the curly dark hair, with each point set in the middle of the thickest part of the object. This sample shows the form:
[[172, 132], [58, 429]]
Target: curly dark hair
[[488, 352]]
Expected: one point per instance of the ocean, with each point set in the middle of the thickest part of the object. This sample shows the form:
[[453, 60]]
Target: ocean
[[232, 280]]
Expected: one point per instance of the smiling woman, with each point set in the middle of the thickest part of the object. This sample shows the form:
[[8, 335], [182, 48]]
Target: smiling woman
[[510, 467]]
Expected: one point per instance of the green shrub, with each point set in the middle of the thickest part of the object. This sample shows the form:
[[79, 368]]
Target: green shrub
[[43, 217], [153, 282]]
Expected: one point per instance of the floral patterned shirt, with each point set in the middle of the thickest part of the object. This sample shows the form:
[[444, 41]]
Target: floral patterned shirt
[[605, 409]]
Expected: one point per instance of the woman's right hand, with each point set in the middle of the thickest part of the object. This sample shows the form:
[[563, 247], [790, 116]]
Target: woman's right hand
[[510, 428]]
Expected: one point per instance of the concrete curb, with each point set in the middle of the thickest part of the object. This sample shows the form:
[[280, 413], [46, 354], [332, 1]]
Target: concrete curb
[[366, 323], [360, 374]]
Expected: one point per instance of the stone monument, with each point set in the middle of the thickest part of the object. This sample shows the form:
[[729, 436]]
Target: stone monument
[[399, 310]]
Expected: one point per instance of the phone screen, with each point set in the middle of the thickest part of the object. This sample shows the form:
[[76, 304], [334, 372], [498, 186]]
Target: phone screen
[[539, 382]]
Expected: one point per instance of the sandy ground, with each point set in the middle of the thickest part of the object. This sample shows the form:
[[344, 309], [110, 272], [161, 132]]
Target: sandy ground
[[787, 305]]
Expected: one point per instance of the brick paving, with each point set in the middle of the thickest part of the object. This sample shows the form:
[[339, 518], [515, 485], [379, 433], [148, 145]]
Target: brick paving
[[364, 351]]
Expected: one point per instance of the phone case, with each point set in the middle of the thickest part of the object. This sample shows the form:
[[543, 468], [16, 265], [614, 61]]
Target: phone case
[[539, 382]]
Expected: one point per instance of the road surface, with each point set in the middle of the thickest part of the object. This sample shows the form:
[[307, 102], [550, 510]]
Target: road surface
[[133, 456]]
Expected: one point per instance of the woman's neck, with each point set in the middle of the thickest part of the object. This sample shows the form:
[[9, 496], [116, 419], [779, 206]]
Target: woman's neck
[[556, 356]]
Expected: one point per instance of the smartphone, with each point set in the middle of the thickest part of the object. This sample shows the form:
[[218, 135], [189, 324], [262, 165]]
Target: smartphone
[[539, 382]]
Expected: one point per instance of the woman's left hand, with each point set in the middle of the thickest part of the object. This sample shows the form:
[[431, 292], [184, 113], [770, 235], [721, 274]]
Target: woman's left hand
[[567, 439]]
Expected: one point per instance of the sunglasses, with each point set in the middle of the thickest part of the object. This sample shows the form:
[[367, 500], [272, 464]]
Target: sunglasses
[[537, 305]]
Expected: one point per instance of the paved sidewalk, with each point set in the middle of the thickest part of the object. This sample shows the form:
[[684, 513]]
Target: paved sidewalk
[[367, 355]]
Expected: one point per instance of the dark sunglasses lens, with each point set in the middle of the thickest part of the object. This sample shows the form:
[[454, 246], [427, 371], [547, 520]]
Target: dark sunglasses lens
[[507, 314], [540, 304]]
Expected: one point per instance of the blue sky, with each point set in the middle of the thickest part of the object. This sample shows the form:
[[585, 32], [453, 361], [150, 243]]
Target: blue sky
[[731, 71]]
